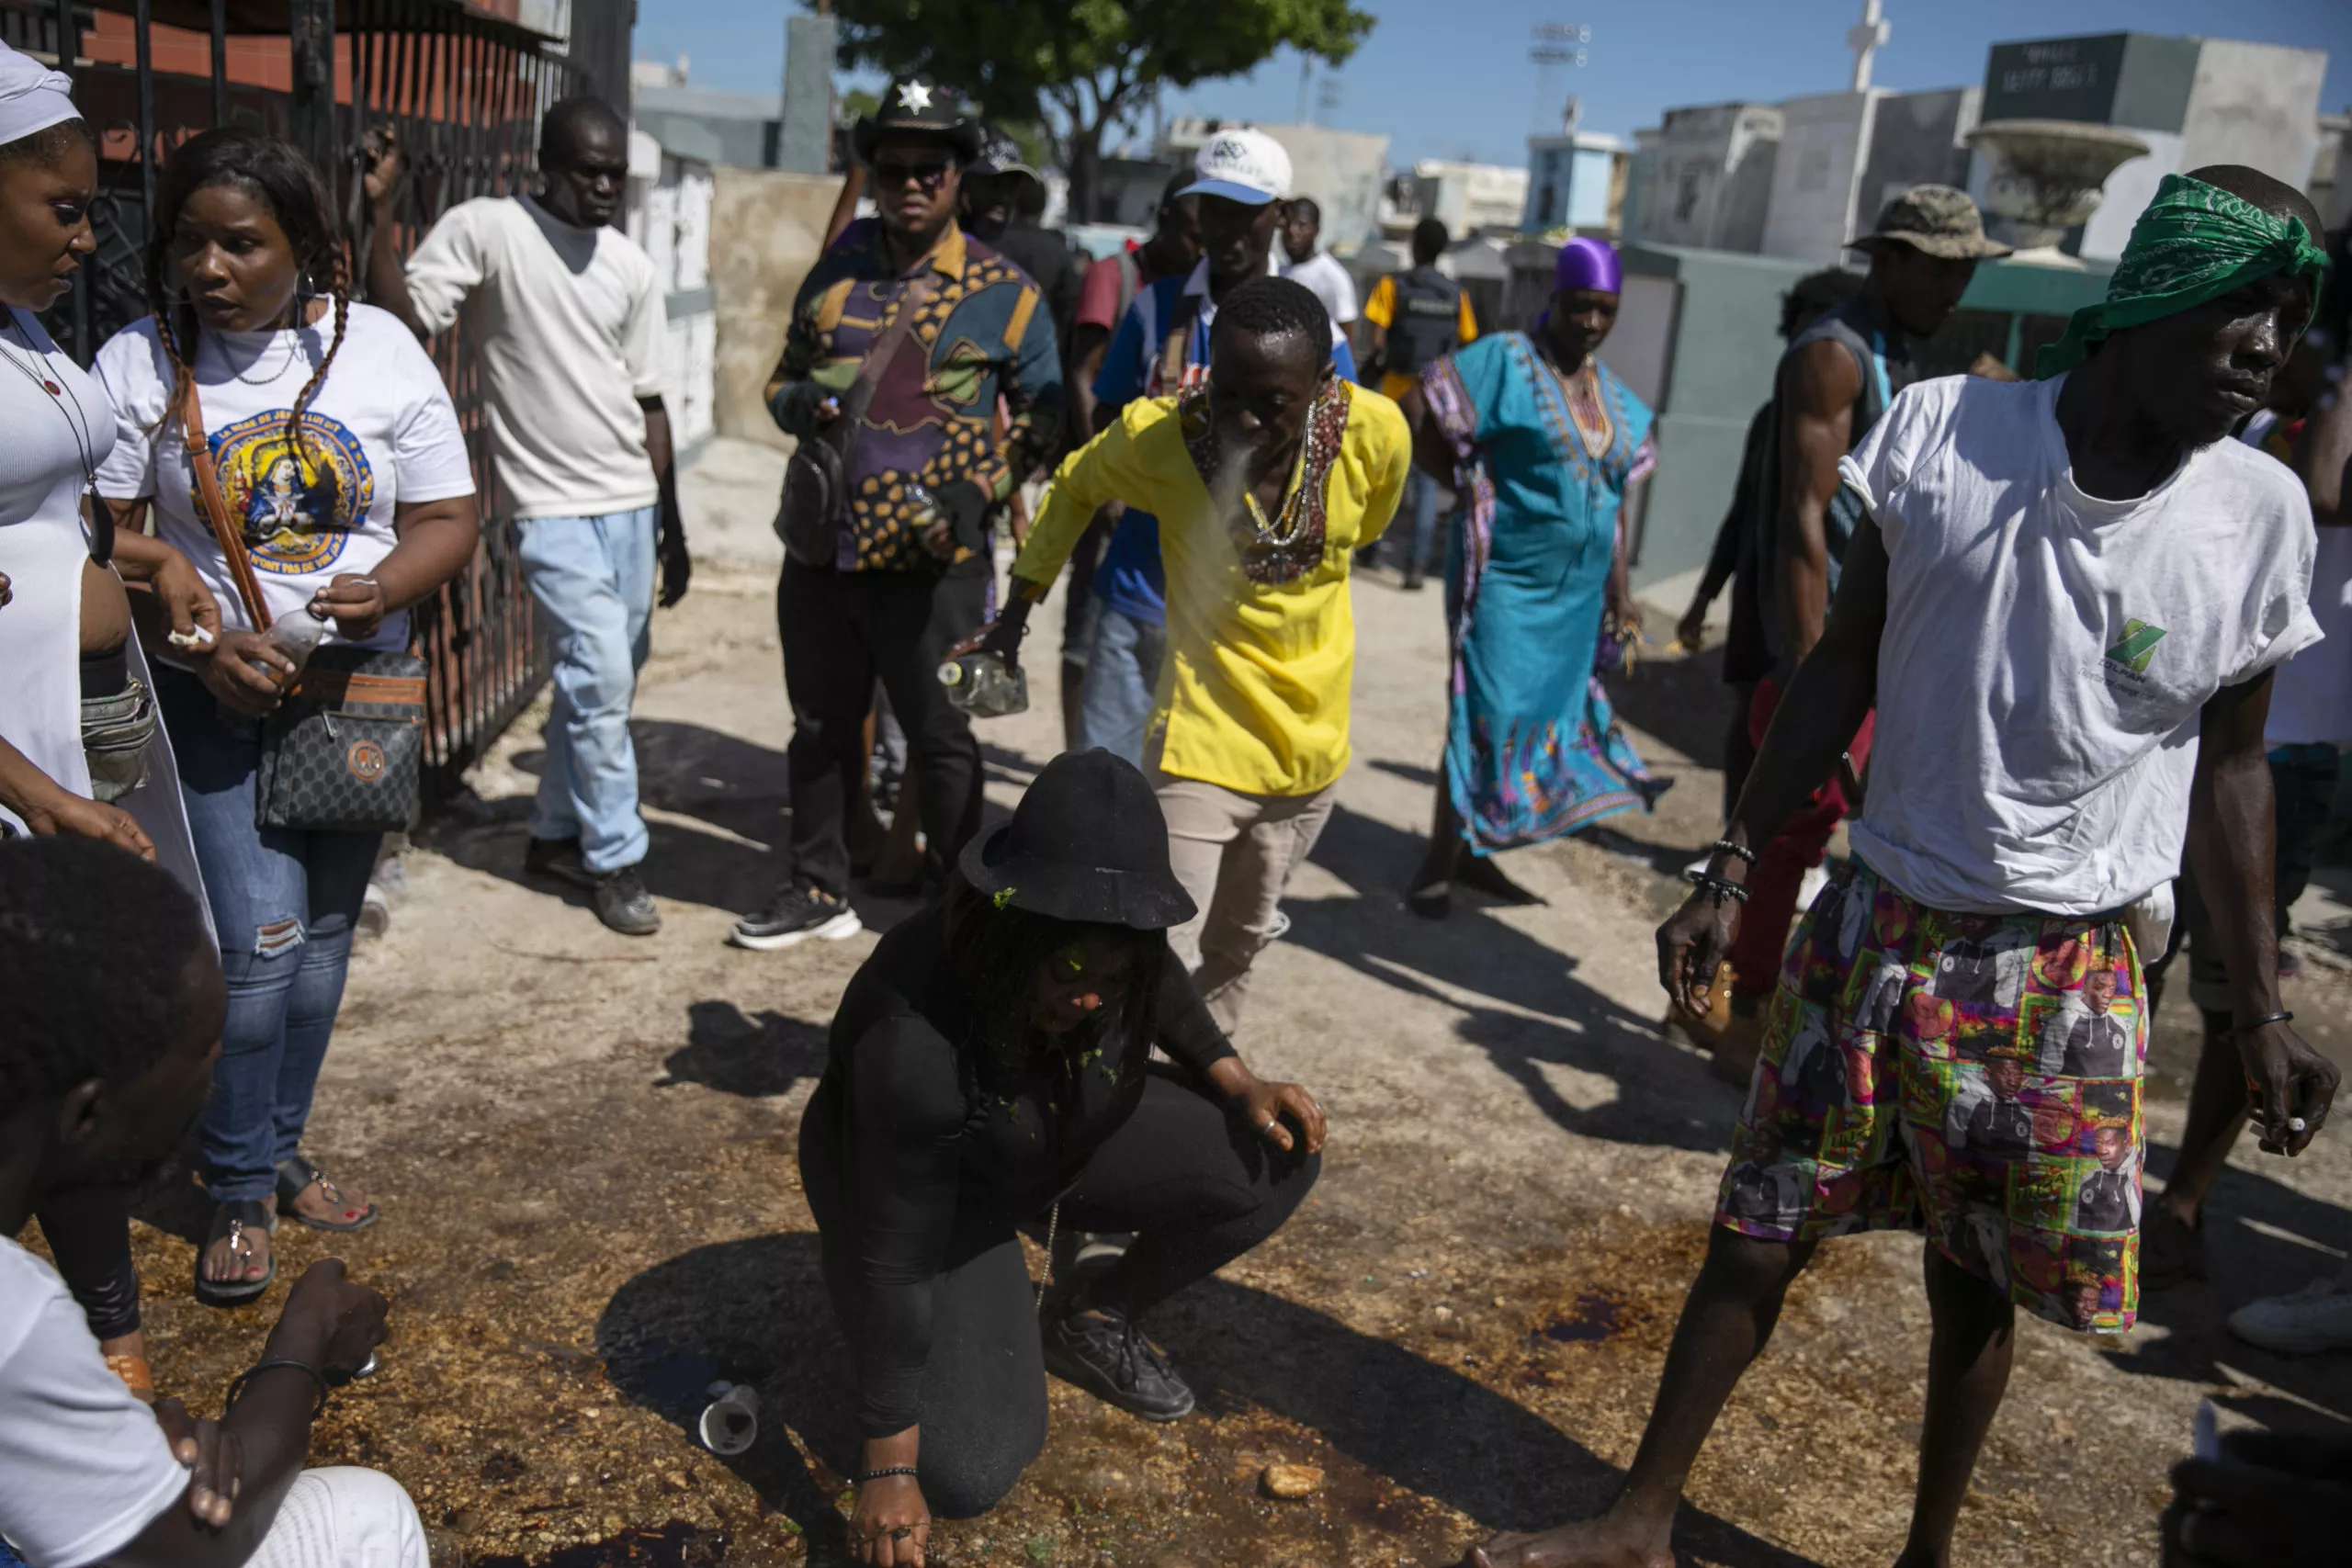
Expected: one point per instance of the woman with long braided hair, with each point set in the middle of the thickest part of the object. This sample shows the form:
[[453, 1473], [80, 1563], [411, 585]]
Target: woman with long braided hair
[[347, 480]]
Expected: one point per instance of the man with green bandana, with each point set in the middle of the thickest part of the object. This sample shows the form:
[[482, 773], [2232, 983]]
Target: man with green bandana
[[2066, 600]]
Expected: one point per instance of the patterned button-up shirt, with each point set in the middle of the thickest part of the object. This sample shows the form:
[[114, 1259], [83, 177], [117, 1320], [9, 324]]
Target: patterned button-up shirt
[[980, 336]]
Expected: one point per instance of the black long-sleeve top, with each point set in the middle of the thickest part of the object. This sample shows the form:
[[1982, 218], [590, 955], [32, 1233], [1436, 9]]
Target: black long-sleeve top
[[939, 1166]]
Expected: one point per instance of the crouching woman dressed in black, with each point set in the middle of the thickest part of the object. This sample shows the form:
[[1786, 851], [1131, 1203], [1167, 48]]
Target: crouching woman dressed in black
[[991, 1060]]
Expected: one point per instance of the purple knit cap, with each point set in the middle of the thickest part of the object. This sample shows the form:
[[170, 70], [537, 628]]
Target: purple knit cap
[[1588, 263]]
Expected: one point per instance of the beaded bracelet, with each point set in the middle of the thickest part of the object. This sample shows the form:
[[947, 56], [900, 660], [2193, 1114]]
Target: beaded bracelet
[[2265, 1021], [885, 1470], [272, 1364], [1726, 847], [1720, 886]]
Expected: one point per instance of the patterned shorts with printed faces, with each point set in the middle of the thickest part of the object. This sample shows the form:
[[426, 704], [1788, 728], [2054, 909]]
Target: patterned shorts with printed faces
[[1973, 1076]]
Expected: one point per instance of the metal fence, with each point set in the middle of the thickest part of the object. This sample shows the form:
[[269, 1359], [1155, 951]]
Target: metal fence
[[464, 89]]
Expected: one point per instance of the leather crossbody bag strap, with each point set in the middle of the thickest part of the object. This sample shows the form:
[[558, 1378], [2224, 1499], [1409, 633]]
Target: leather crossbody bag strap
[[216, 509]]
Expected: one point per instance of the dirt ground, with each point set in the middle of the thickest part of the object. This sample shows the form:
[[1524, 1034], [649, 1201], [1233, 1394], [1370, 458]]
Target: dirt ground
[[583, 1148]]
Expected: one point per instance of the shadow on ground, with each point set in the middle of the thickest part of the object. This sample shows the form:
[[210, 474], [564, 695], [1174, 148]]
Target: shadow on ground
[[718, 1312], [1520, 1000], [730, 789], [735, 1052], [2262, 1238]]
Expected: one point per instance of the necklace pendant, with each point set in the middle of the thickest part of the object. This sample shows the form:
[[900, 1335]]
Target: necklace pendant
[[51, 388]]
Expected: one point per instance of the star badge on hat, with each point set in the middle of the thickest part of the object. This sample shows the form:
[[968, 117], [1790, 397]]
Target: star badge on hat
[[914, 97]]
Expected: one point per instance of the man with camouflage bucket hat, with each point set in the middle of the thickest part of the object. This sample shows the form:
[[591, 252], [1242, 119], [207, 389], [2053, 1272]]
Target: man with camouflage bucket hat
[[1834, 382]]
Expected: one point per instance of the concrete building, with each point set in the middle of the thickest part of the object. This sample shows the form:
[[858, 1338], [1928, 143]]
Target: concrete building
[[1467, 198], [2193, 101], [743, 131], [1844, 155], [668, 212], [1344, 171], [1703, 177], [1576, 180]]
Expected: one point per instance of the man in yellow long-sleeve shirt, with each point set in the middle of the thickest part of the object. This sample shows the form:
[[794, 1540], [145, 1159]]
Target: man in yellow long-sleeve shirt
[[1266, 480]]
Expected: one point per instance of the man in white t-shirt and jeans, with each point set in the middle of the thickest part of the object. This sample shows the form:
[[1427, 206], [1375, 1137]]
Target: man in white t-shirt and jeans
[[114, 1005], [2066, 599], [566, 323]]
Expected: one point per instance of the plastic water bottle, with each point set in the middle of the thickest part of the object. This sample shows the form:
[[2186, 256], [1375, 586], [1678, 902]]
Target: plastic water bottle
[[981, 686], [295, 634]]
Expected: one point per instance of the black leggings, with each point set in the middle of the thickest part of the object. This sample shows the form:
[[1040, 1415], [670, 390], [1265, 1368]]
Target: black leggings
[[1198, 1189], [88, 1232]]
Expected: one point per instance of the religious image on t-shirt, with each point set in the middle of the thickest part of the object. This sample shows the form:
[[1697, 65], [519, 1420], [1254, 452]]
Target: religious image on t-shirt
[[298, 501]]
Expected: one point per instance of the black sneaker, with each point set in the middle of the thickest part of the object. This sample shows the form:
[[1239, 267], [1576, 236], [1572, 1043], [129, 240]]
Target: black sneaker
[[1107, 1355], [793, 916], [623, 903], [559, 859]]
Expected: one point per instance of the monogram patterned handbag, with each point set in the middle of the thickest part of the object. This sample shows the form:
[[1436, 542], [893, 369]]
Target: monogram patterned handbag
[[345, 750]]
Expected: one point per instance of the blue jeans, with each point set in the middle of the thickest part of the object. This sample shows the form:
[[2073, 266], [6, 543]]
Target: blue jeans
[[1423, 496], [1122, 682], [285, 903], [593, 579]]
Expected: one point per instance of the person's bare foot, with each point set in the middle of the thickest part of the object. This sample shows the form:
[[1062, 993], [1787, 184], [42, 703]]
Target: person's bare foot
[[330, 1203], [240, 1255], [1603, 1542]]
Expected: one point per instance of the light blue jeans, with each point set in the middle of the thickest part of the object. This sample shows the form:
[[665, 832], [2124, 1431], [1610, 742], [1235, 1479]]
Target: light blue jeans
[[286, 903], [1122, 680], [593, 579]]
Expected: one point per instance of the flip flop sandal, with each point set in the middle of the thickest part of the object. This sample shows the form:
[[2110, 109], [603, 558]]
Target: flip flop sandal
[[136, 1375], [297, 1175], [231, 1222]]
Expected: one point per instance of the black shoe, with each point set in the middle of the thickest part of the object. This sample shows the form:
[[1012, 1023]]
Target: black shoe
[[1108, 1357], [1412, 583], [793, 916], [623, 903], [559, 859]]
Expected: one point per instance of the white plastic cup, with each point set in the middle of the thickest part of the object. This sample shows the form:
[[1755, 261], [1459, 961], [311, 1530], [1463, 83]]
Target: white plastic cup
[[730, 1423]]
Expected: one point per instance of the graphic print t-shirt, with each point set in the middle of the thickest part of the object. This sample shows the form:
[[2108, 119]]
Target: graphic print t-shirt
[[2048, 652], [380, 431]]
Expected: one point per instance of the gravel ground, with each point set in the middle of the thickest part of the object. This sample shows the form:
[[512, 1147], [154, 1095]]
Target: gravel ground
[[583, 1148]]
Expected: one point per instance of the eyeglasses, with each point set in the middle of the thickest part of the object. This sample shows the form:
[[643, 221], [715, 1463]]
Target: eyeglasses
[[928, 175]]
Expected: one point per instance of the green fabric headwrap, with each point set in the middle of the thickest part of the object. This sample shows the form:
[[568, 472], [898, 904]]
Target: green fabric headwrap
[[2194, 242]]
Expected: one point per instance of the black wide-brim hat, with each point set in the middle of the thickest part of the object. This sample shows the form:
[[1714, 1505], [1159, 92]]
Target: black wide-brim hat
[[917, 106], [1088, 844]]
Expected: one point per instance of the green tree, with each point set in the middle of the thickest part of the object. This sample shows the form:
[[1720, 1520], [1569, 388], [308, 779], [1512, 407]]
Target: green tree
[[1083, 67]]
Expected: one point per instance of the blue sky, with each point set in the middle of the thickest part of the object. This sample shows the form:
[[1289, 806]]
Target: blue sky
[[1450, 78]]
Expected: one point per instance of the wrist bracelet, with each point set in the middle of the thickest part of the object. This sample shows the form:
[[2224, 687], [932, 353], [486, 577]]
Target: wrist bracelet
[[1726, 847], [237, 1387], [2265, 1021], [1722, 888], [885, 1470]]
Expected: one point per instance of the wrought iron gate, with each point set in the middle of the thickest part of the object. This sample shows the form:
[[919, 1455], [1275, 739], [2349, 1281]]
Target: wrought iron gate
[[464, 87]]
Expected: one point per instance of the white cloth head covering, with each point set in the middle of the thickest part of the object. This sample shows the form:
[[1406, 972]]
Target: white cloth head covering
[[33, 97]]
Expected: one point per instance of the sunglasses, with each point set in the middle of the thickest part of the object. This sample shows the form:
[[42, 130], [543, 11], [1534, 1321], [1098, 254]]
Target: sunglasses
[[894, 173]]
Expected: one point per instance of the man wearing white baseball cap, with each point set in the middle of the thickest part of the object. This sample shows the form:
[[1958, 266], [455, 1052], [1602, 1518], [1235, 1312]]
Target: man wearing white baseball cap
[[1241, 183]]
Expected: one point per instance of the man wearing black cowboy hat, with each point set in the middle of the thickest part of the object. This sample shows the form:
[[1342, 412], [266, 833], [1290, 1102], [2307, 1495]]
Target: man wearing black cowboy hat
[[903, 574], [990, 1069]]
